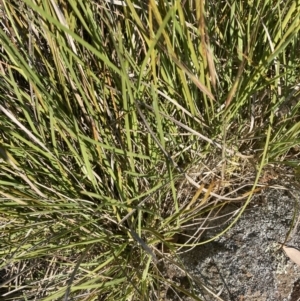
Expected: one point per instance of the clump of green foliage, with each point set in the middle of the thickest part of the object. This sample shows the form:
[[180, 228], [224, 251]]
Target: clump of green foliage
[[121, 122]]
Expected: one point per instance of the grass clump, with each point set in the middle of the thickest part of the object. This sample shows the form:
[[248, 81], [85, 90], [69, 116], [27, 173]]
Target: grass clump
[[124, 125]]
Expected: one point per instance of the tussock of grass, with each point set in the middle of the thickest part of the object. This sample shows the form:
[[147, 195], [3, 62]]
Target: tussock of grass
[[123, 126]]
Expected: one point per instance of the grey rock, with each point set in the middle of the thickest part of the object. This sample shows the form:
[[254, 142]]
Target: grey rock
[[247, 262]]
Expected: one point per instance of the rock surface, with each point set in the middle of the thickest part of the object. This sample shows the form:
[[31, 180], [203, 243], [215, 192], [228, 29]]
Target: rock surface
[[247, 263]]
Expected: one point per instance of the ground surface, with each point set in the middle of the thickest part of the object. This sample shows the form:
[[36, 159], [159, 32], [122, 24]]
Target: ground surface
[[247, 262]]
